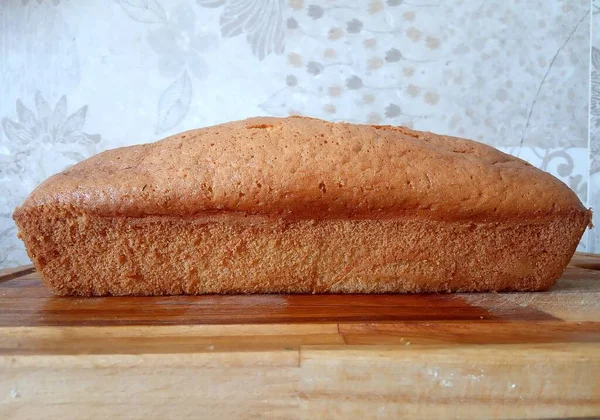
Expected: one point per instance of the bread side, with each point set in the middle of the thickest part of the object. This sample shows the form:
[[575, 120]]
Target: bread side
[[300, 205], [157, 255]]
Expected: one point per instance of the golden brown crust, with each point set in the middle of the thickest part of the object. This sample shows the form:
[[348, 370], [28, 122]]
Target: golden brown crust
[[308, 168], [300, 205]]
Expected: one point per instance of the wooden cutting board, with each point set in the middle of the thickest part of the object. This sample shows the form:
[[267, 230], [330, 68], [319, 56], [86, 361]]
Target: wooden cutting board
[[519, 355]]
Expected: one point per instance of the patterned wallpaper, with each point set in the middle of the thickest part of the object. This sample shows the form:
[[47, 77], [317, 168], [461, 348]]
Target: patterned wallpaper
[[81, 77]]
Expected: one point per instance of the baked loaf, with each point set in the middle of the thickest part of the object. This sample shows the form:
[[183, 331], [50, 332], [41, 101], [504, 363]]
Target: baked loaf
[[300, 205]]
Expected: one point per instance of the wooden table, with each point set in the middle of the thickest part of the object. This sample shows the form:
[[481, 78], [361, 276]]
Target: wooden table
[[521, 355]]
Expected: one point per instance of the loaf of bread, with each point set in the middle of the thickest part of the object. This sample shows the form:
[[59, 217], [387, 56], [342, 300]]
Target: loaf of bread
[[301, 205]]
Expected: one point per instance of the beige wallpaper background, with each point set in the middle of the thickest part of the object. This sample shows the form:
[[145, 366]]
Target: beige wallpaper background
[[79, 77]]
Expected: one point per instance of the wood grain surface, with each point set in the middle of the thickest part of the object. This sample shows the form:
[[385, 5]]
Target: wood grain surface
[[500, 355]]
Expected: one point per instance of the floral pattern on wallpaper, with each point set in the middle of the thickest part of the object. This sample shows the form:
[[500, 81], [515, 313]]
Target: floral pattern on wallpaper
[[47, 126], [261, 21], [180, 43], [179, 46], [299, 96]]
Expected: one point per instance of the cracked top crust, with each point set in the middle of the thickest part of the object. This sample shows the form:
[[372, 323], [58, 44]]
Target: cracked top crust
[[306, 168]]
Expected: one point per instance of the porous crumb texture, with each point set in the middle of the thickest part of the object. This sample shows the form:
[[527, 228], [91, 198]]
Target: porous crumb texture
[[300, 205], [156, 255]]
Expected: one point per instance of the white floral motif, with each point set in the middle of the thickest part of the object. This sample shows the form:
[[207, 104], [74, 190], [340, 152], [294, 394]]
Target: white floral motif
[[47, 127], [180, 44], [261, 21]]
